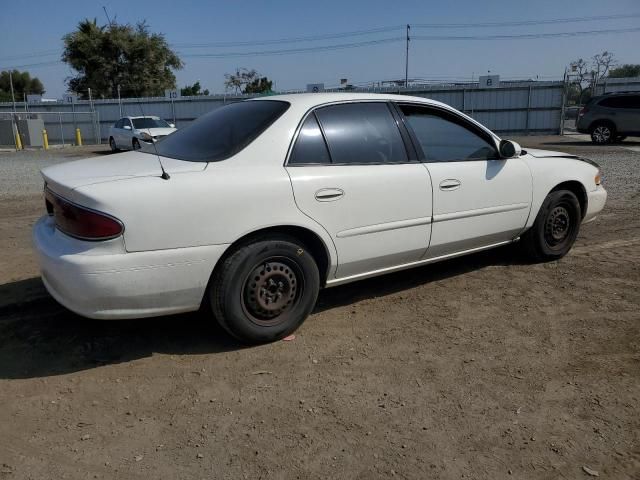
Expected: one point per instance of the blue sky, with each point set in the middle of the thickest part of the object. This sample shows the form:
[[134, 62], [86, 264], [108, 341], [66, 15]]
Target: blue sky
[[37, 26]]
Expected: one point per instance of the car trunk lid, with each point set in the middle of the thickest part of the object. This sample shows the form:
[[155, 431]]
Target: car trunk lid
[[66, 177]]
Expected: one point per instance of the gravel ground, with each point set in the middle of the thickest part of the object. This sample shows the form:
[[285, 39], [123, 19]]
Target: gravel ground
[[19, 171], [478, 368]]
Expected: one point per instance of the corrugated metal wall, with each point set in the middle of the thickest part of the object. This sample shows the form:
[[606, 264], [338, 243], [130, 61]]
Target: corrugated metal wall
[[609, 85], [511, 109]]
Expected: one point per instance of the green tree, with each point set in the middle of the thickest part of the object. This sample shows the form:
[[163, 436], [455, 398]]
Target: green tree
[[258, 85], [132, 57], [193, 90], [247, 81], [626, 70], [23, 84]]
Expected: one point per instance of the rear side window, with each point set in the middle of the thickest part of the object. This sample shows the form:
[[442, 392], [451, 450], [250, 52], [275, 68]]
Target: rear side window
[[310, 147], [444, 138], [362, 133], [221, 133], [624, 101]]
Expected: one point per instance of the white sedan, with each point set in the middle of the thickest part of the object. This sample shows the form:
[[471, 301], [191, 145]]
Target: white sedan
[[257, 205], [132, 133]]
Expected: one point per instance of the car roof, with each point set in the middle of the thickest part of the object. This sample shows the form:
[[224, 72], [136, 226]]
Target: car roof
[[142, 116], [310, 100]]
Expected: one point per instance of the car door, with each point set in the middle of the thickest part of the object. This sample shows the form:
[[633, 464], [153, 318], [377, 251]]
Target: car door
[[116, 133], [127, 133], [478, 198], [352, 173], [629, 113]]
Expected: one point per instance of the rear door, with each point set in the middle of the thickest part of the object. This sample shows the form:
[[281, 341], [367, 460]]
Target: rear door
[[352, 173], [478, 198]]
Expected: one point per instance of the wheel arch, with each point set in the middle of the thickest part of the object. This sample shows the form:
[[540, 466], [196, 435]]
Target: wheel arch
[[577, 188], [605, 121], [316, 245]]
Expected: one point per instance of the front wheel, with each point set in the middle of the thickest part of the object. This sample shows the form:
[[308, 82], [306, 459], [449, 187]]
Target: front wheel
[[136, 144], [555, 228], [264, 290]]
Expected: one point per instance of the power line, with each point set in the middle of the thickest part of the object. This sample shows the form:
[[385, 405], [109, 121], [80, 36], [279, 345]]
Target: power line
[[523, 36], [311, 38], [371, 31], [293, 50], [528, 36], [519, 23], [342, 46]]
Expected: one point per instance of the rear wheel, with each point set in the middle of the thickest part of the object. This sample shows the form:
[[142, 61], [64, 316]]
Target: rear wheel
[[555, 228], [603, 133], [112, 144], [264, 290]]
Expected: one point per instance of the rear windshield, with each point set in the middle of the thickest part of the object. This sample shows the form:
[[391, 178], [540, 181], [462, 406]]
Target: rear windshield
[[149, 123], [221, 133]]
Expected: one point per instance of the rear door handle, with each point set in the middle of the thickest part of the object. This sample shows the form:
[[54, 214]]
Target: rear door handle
[[329, 194], [450, 184]]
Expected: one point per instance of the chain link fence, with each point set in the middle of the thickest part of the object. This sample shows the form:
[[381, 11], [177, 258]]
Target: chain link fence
[[60, 128]]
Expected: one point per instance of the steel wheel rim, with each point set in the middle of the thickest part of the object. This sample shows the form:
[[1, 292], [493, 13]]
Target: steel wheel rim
[[558, 226], [272, 288], [112, 144], [602, 134]]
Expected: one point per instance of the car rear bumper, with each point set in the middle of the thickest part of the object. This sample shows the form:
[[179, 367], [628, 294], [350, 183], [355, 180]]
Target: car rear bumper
[[595, 203], [101, 280]]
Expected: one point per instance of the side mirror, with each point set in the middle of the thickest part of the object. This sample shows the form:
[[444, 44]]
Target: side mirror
[[172, 125], [509, 149], [127, 127]]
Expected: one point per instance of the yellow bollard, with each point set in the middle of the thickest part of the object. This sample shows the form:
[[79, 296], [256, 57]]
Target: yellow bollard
[[18, 141], [78, 138], [45, 140]]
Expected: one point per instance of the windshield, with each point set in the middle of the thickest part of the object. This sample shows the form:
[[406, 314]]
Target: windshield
[[149, 123], [221, 133]]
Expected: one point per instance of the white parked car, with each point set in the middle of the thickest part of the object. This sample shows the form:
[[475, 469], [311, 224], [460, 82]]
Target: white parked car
[[132, 133], [257, 205]]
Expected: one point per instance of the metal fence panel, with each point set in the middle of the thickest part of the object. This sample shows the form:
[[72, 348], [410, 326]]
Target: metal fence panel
[[512, 108]]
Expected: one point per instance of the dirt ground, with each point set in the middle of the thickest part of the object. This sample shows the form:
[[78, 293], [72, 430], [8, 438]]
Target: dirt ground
[[478, 368]]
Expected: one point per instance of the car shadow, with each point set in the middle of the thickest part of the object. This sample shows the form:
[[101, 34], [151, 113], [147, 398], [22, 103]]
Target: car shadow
[[40, 338]]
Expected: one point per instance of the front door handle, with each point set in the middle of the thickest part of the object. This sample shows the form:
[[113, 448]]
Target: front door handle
[[450, 184], [329, 194]]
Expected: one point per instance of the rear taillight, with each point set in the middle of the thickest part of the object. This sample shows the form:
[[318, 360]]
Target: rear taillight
[[582, 111], [81, 222]]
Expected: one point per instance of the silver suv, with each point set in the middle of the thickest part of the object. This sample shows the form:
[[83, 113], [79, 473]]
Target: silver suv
[[610, 117]]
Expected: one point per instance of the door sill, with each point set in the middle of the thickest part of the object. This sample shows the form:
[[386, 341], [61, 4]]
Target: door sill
[[405, 266]]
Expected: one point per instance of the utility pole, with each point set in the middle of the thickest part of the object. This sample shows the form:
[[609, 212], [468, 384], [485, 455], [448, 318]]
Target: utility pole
[[13, 98], [406, 64], [119, 101]]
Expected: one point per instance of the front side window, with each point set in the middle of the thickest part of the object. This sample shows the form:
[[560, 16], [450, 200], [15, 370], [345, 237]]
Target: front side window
[[148, 122], [310, 147], [221, 133], [119, 123], [443, 139], [362, 133]]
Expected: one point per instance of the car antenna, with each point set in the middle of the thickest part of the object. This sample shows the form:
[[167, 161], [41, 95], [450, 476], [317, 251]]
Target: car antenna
[[165, 175]]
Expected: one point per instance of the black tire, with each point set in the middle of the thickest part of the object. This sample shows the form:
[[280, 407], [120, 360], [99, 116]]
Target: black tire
[[112, 144], [264, 290], [603, 133], [555, 228], [136, 144]]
